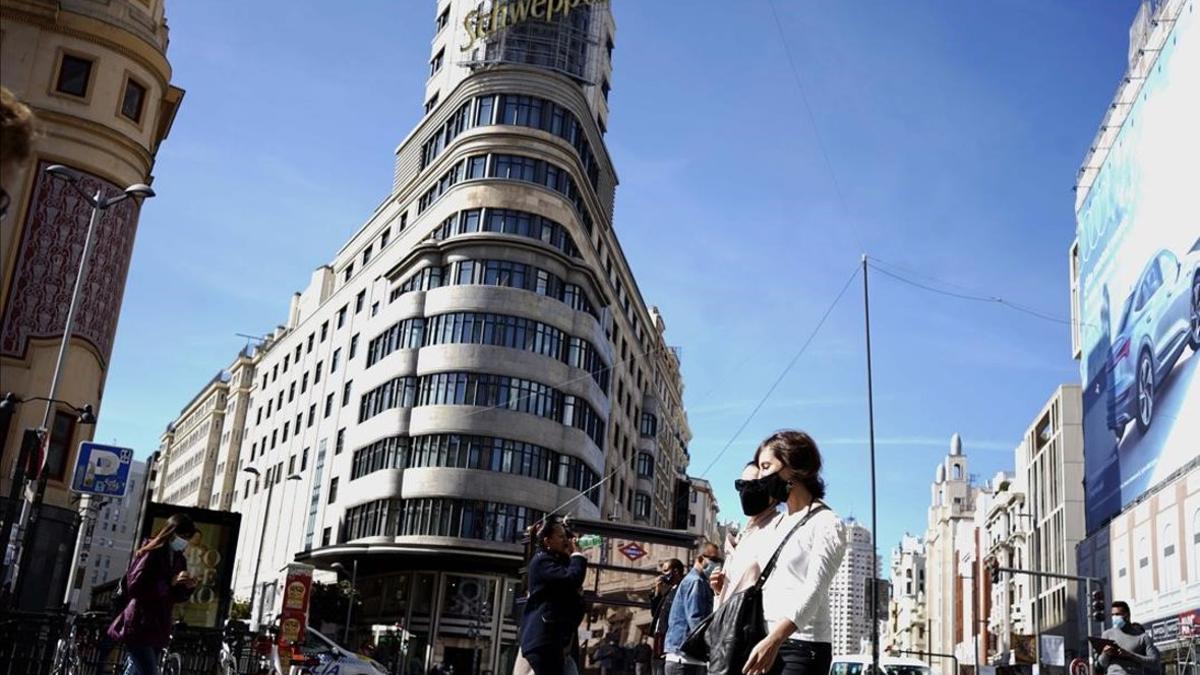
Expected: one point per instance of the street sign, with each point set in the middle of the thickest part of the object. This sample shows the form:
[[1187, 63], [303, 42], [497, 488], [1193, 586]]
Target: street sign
[[101, 470], [633, 551]]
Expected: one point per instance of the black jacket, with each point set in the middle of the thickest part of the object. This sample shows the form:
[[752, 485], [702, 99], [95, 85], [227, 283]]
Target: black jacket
[[554, 608]]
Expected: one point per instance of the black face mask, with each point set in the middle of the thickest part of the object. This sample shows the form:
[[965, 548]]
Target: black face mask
[[757, 494]]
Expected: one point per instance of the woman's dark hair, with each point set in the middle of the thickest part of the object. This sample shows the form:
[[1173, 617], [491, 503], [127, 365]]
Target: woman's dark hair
[[177, 525], [798, 451], [544, 528]]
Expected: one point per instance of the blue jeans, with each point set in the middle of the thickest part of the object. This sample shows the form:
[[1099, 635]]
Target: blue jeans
[[141, 661]]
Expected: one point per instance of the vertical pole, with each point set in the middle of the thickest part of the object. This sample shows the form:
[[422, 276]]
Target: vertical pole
[[83, 545], [262, 538], [35, 493], [350, 605], [871, 430]]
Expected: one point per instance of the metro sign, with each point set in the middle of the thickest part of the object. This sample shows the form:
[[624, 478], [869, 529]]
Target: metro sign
[[633, 551]]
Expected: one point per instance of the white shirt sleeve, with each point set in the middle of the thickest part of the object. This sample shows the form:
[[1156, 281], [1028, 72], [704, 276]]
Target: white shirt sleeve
[[807, 576]]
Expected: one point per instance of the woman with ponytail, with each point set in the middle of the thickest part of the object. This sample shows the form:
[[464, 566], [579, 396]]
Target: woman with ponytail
[[157, 579], [554, 608]]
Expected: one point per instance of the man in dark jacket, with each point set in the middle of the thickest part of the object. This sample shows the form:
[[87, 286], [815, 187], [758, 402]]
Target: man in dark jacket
[[661, 598]]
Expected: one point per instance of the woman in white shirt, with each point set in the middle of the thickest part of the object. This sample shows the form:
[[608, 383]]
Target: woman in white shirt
[[742, 565], [796, 595]]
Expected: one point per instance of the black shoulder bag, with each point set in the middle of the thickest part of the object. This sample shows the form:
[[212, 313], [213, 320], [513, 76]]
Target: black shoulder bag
[[726, 638]]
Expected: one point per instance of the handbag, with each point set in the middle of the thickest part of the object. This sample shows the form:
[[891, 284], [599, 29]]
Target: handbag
[[725, 638]]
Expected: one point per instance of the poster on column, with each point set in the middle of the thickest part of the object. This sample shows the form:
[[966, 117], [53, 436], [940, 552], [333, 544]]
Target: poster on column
[[1139, 285], [209, 554]]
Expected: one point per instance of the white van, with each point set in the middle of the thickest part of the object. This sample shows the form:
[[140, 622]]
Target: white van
[[860, 664]]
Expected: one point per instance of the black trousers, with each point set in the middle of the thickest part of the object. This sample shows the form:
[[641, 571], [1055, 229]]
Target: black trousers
[[797, 657]]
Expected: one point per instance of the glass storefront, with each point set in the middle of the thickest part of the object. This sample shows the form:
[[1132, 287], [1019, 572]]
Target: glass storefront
[[451, 618]]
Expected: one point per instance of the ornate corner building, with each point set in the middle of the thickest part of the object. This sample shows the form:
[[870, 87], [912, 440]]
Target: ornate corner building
[[477, 355], [97, 78]]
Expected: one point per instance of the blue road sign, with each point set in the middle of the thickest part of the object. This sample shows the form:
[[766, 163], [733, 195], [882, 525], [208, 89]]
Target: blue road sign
[[101, 470]]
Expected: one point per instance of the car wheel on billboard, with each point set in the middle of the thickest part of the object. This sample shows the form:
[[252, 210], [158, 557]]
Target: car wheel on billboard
[[1194, 333], [1145, 391]]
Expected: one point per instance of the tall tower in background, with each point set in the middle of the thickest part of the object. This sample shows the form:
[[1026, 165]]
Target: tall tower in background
[[848, 594], [97, 78]]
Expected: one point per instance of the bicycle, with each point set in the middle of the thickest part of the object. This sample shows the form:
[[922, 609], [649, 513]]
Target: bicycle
[[66, 651], [170, 662]]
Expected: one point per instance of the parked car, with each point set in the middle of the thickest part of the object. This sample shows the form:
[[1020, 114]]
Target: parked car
[[860, 664], [1160, 317]]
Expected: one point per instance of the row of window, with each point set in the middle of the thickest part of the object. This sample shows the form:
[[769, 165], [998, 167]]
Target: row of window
[[509, 167], [438, 517], [518, 110], [498, 273], [500, 330], [507, 221], [484, 390], [75, 78], [475, 452]]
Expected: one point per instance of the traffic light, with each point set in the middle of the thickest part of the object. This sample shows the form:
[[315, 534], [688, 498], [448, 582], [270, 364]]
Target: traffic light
[[994, 569], [1099, 607]]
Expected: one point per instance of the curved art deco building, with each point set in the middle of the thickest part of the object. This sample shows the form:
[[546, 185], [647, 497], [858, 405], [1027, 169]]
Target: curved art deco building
[[476, 356]]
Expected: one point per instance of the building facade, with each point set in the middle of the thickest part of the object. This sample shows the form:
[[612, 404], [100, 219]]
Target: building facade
[[199, 451], [115, 535], [97, 78], [848, 611], [1005, 531], [1051, 458], [907, 619], [950, 542], [703, 511], [476, 356]]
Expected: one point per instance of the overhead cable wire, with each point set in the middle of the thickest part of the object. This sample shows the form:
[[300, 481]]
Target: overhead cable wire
[[812, 120], [778, 380], [972, 296]]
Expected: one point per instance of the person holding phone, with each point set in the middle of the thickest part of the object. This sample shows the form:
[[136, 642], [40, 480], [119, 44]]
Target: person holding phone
[[157, 579], [1130, 650]]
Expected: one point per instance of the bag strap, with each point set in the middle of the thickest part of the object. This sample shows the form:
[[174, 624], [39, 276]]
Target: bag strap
[[813, 510]]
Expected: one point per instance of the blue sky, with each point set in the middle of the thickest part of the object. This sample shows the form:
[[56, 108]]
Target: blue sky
[[954, 132]]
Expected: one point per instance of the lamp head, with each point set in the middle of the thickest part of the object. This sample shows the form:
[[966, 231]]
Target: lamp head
[[8, 403], [339, 567], [294, 476], [139, 191], [252, 471], [87, 415], [62, 172]]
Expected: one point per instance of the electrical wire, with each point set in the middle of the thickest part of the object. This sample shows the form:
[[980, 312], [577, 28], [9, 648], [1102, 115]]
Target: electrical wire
[[812, 120], [778, 380]]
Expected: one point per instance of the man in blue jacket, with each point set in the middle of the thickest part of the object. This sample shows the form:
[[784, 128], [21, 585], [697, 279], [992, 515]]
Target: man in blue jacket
[[693, 602]]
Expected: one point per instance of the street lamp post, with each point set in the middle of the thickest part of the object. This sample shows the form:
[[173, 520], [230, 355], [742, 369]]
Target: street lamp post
[[262, 537], [35, 486], [350, 600]]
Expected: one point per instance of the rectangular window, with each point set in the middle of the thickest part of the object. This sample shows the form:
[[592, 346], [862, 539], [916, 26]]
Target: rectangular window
[[359, 300], [366, 257], [435, 64], [304, 383], [60, 444], [308, 349], [312, 414], [328, 405], [348, 273], [385, 237], [333, 489], [341, 316], [431, 103], [333, 362], [340, 442], [317, 372], [304, 460], [442, 20], [74, 75], [291, 465], [131, 103], [324, 331], [346, 393], [353, 347], [325, 535]]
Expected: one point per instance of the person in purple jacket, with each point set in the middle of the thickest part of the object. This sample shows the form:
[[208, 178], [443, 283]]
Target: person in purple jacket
[[157, 579]]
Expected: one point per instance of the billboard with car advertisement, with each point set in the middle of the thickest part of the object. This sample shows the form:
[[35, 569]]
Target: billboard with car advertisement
[[1139, 286]]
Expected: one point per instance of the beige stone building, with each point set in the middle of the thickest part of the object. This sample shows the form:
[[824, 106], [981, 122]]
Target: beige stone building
[[199, 451], [907, 622], [97, 77]]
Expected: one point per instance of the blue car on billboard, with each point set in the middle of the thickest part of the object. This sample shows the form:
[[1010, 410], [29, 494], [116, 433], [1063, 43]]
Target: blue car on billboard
[[1160, 318]]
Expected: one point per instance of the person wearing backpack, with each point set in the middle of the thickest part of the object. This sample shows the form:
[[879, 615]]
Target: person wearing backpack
[[795, 597], [157, 579]]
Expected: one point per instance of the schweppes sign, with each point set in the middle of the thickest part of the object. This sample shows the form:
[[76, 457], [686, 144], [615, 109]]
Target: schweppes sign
[[481, 23]]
